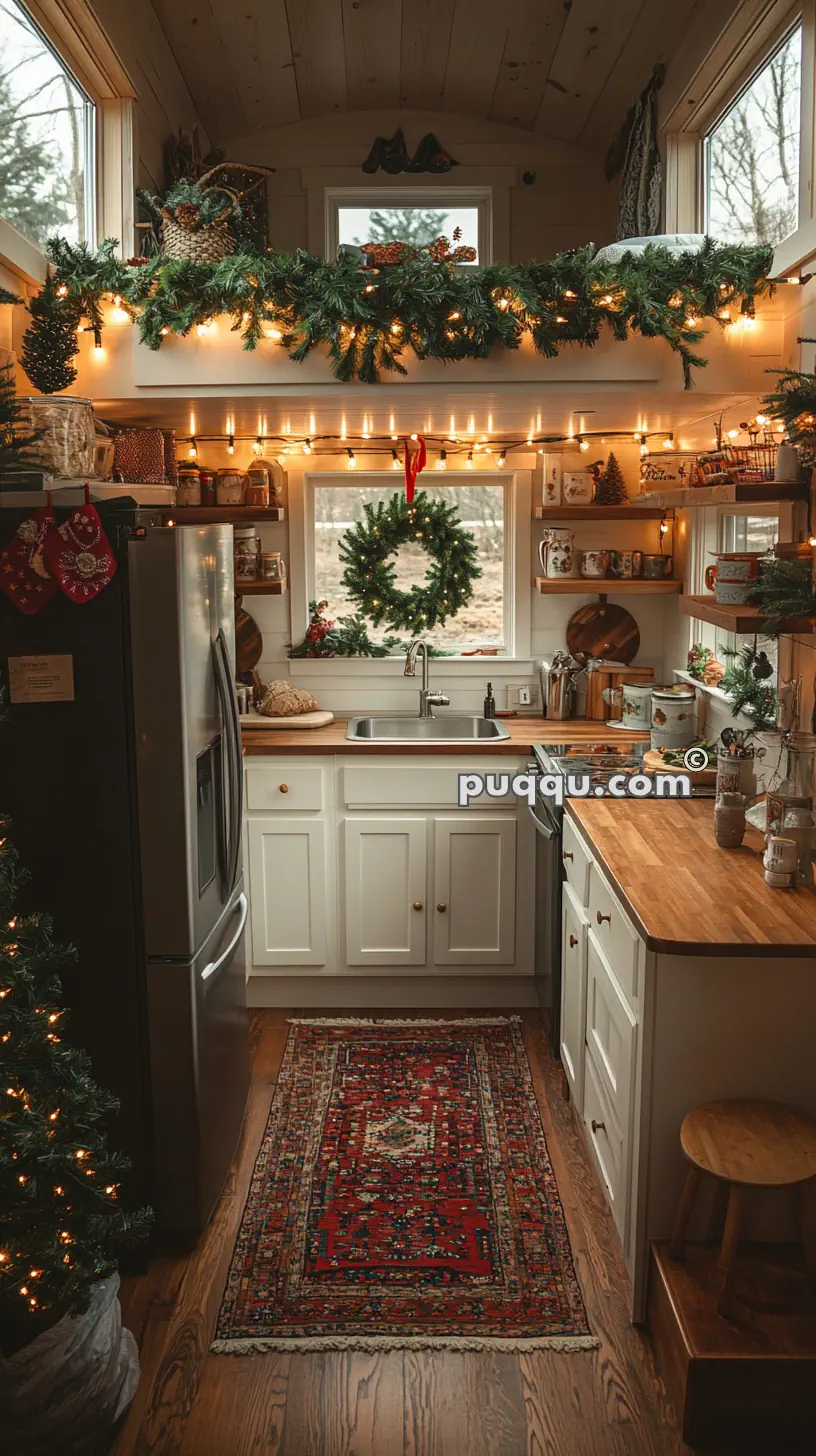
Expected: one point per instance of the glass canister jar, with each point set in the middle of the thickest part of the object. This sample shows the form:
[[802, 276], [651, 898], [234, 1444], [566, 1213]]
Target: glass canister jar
[[207, 486], [188, 489], [230, 485], [247, 546], [257, 487]]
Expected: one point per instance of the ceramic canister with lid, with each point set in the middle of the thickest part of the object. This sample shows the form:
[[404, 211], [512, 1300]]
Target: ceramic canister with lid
[[229, 487], [674, 719]]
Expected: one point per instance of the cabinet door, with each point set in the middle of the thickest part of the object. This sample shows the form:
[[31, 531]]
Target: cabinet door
[[573, 995], [474, 909], [386, 881], [288, 891]]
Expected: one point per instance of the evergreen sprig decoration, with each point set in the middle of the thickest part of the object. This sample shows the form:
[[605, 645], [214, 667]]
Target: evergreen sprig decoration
[[746, 681], [61, 1222], [369, 573], [794, 403], [369, 320], [785, 592], [16, 440], [347, 637]]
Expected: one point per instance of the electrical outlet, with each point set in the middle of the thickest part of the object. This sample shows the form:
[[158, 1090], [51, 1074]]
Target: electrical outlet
[[519, 695]]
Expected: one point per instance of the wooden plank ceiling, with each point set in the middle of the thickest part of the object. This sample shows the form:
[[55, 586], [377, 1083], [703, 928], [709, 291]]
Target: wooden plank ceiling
[[562, 68]]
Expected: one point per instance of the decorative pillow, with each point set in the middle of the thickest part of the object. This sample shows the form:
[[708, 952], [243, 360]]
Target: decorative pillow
[[138, 457], [282, 700], [673, 242]]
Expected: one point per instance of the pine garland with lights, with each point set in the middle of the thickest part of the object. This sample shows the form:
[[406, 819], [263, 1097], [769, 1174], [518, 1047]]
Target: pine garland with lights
[[347, 637], [60, 1219], [794, 403], [369, 573], [368, 319]]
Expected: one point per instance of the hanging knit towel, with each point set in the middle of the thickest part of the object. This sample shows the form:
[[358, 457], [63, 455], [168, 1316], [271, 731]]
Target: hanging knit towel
[[24, 576]]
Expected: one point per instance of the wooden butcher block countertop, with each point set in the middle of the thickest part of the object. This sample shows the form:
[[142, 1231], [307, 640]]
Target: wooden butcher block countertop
[[686, 895], [524, 732]]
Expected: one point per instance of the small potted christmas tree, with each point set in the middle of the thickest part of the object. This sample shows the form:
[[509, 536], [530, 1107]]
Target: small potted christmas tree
[[68, 1370], [610, 488]]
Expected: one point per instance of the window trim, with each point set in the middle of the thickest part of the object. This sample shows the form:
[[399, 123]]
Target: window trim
[[73, 33], [518, 545], [717, 85], [411, 196]]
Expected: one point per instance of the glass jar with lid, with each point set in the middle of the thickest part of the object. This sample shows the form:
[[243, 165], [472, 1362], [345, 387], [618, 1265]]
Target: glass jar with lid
[[247, 545]]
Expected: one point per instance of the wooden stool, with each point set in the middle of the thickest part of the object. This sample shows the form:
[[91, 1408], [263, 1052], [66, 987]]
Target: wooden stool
[[747, 1144]]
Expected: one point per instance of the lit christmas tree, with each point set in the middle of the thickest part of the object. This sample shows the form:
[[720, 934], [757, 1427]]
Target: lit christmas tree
[[15, 440], [611, 487], [60, 1218]]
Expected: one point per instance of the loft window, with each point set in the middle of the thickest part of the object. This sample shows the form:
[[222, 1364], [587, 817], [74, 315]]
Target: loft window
[[482, 506], [47, 132], [410, 215], [751, 156]]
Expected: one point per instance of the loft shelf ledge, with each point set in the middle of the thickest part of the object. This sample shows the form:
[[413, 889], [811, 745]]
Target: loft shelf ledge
[[260, 588], [606, 586], [742, 620]]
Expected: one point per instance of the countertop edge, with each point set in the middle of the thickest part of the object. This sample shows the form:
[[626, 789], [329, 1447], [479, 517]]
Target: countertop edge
[[754, 949]]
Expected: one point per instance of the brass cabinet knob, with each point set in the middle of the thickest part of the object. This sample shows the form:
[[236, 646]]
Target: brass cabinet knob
[[442, 908], [601, 918], [568, 854], [573, 941], [417, 904], [597, 1126], [284, 788]]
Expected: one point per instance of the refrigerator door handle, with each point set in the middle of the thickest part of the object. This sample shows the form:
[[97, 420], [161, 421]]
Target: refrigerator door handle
[[237, 759], [209, 970], [228, 815]]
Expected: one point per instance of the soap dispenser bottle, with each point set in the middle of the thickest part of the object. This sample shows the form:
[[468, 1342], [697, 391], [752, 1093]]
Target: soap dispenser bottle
[[490, 703]]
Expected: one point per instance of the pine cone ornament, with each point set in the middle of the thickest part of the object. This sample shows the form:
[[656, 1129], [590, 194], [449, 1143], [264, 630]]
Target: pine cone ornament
[[187, 215]]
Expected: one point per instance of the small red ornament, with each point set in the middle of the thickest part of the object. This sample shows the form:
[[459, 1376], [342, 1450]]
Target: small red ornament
[[78, 554], [416, 458], [24, 576]]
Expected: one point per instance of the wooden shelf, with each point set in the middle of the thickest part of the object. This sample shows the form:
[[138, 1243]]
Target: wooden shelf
[[608, 586], [768, 494], [742, 619], [600, 513], [261, 588], [225, 515]]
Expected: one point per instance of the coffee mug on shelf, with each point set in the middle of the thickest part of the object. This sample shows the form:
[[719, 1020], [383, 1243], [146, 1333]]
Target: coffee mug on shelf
[[656, 567], [733, 575], [594, 563], [577, 487], [626, 564]]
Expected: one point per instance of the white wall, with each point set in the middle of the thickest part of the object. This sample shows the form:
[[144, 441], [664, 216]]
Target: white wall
[[569, 203]]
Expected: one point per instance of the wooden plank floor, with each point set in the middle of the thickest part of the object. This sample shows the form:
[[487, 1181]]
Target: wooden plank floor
[[606, 1402]]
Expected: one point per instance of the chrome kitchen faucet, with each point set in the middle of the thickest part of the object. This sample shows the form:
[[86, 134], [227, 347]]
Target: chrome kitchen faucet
[[427, 699]]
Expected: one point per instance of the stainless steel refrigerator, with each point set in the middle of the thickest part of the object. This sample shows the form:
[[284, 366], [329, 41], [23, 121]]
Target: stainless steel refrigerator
[[126, 796]]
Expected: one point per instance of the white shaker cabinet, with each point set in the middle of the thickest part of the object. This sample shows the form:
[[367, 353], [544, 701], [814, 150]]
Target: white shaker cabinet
[[288, 891], [474, 890], [385, 870]]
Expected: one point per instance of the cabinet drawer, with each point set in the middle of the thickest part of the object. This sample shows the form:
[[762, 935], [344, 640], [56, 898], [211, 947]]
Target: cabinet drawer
[[573, 994], [413, 784], [284, 787], [614, 932], [611, 1032], [576, 861], [607, 1143]]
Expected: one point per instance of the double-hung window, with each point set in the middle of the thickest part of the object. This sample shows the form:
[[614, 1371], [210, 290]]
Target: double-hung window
[[47, 136], [335, 504]]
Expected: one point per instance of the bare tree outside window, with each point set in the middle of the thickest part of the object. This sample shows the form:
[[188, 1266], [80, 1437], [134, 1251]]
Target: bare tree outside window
[[45, 123], [481, 510], [752, 155]]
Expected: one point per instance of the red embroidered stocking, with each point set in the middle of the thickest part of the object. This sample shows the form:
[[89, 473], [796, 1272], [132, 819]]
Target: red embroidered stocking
[[24, 576], [78, 554]]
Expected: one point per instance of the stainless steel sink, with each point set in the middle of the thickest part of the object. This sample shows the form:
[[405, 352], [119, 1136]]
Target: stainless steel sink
[[446, 729]]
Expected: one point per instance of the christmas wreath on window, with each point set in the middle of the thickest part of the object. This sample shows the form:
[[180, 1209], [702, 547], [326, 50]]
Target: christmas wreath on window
[[369, 572]]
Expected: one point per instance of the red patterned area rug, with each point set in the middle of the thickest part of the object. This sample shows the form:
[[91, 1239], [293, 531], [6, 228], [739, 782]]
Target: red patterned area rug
[[403, 1197]]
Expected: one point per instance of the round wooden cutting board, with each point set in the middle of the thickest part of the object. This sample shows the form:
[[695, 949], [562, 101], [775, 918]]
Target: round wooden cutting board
[[601, 630], [248, 640]]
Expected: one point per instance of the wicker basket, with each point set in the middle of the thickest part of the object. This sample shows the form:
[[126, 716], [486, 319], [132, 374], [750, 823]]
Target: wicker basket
[[67, 444], [208, 245]]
